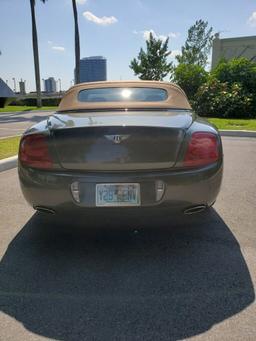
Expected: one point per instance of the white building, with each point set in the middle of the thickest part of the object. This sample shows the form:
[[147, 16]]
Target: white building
[[230, 48]]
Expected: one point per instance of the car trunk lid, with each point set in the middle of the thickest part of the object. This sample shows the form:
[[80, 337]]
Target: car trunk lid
[[115, 141]]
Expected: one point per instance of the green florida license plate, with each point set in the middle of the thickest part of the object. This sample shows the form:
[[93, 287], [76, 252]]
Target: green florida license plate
[[119, 194]]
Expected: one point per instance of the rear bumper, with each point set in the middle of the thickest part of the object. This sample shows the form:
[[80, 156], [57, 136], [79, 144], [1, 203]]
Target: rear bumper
[[183, 189]]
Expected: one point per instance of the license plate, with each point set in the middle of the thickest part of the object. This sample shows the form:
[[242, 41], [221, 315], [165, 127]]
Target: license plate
[[121, 194]]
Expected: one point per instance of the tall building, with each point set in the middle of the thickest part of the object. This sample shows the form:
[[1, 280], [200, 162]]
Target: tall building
[[230, 48], [22, 87], [50, 85], [93, 69]]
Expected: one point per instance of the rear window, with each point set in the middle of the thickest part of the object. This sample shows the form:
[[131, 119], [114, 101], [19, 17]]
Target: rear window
[[123, 95]]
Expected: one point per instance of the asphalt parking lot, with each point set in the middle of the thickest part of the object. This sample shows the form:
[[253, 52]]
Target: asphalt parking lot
[[135, 278], [14, 123]]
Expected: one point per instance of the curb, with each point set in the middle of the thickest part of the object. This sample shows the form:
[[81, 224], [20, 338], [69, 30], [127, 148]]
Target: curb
[[9, 163], [238, 133]]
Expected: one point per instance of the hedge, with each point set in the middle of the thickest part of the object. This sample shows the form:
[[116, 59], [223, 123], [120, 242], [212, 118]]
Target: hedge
[[47, 102], [228, 91], [216, 99]]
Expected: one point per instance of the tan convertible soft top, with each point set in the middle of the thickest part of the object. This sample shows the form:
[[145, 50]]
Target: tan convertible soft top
[[176, 97]]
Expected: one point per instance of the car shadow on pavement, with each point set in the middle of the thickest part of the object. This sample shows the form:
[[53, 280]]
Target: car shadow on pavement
[[168, 280]]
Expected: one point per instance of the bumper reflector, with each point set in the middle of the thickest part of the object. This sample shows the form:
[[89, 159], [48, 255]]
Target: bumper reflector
[[159, 190], [75, 191]]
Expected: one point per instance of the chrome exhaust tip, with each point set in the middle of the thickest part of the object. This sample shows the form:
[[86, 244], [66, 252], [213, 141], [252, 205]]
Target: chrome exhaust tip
[[44, 209], [195, 209]]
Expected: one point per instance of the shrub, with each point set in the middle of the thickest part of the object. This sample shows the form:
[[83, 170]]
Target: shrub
[[47, 102], [190, 77], [216, 99], [237, 70], [51, 102]]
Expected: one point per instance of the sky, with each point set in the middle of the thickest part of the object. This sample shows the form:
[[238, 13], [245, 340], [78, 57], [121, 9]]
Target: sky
[[115, 29]]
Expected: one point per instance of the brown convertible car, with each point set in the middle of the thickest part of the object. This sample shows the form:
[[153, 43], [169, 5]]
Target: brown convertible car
[[133, 144]]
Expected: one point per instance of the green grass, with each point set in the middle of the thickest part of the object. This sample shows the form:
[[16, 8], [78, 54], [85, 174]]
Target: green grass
[[233, 124], [13, 108], [9, 146]]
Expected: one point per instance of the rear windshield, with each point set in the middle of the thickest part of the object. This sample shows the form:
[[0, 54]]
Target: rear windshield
[[123, 95]]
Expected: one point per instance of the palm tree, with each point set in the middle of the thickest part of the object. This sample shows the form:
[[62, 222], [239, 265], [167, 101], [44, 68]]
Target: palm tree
[[77, 44], [35, 52]]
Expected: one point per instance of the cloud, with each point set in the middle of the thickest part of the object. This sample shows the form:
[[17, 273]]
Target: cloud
[[175, 53], [104, 21], [174, 34], [163, 37], [55, 47], [58, 48], [252, 19], [146, 34], [81, 2]]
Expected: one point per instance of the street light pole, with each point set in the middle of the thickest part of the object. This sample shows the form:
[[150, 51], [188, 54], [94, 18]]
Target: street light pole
[[59, 84], [14, 84], [25, 86]]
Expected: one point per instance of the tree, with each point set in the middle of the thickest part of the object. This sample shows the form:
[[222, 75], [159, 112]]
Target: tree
[[190, 77], [197, 45], [216, 99], [152, 64], [35, 53], [77, 44], [239, 70]]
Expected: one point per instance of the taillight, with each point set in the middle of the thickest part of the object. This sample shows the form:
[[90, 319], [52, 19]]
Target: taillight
[[34, 152], [203, 149]]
